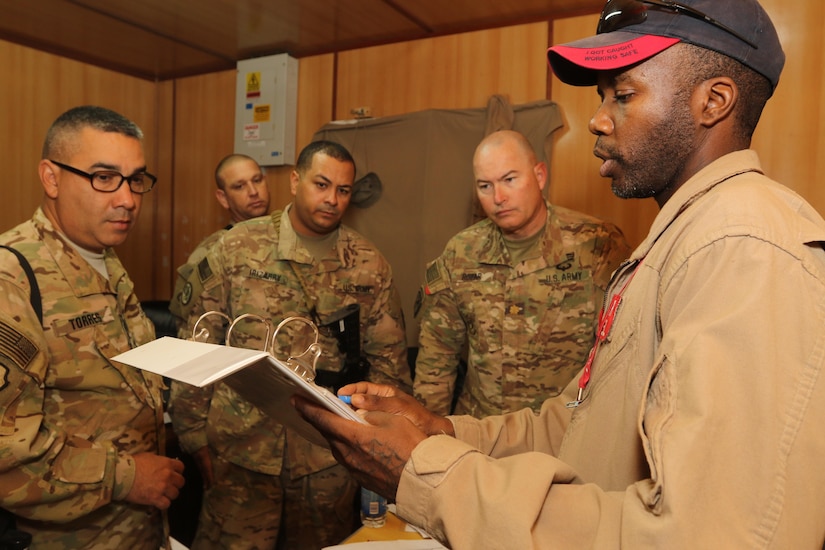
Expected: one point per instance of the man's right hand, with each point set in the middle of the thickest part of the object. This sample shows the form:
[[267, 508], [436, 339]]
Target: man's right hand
[[376, 452], [158, 480], [377, 397]]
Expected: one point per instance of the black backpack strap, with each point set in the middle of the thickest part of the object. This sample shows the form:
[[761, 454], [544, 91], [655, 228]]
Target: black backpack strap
[[34, 297]]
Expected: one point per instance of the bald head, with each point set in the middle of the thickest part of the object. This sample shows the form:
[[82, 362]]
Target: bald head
[[509, 184], [505, 138]]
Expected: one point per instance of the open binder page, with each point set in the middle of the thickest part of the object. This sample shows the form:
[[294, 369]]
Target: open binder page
[[257, 376], [196, 363]]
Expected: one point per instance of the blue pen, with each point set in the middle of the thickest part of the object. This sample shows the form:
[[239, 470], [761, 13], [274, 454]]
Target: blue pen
[[346, 399]]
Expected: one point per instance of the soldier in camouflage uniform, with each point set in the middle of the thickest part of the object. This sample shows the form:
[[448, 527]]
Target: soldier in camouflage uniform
[[81, 436], [299, 262], [520, 290], [242, 190]]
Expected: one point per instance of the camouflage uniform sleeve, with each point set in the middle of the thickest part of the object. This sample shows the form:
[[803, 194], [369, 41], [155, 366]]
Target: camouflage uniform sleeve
[[181, 302], [183, 296], [35, 455], [188, 408], [189, 405], [440, 341], [612, 251], [385, 344]]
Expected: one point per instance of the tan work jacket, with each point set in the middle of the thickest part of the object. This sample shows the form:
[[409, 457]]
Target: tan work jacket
[[701, 426]]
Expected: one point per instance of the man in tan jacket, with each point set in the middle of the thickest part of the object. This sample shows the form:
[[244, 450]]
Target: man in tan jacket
[[698, 421]]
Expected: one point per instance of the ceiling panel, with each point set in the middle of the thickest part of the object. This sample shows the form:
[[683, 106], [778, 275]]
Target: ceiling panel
[[446, 16], [162, 39], [75, 32]]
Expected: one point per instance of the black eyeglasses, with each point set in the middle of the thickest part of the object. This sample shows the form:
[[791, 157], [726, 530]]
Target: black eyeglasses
[[618, 14], [109, 181]]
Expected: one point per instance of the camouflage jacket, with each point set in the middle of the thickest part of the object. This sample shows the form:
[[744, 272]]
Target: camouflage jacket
[[260, 267], [69, 417], [526, 328], [179, 304]]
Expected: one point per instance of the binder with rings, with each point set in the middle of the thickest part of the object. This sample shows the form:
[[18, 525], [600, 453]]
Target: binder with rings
[[255, 374]]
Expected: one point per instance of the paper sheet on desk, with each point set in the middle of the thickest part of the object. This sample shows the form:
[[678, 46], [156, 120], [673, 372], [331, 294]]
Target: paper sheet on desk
[[428, 544]]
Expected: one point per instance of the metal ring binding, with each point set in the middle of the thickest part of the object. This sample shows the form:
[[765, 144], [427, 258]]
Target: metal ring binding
[[302, 364]]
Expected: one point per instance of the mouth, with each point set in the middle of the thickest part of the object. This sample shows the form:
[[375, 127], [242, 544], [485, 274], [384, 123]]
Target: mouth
[[121, 224], [609, 164], [607, 168]]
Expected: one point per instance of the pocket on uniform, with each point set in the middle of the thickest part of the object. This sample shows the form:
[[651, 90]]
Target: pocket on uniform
[[76, 465], [567, 323]]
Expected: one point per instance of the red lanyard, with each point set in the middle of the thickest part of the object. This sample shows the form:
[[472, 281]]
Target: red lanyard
[[606, 318]]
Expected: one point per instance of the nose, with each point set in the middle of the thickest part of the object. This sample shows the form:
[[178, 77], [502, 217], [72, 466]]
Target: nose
[[253, 189], [601, 123], [124, 198], [331, 196], [499, 195]]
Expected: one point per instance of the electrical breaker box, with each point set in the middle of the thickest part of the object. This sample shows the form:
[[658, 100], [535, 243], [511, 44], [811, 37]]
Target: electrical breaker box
[[266, 109]]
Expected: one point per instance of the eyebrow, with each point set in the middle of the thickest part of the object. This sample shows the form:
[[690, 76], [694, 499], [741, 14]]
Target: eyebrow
[[114, 168], [243, 181], [622, 77], [330, 182], [506, 174]]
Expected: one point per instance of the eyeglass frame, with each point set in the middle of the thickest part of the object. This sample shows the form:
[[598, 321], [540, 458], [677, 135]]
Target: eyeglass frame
[[671, 5], [91, 178]]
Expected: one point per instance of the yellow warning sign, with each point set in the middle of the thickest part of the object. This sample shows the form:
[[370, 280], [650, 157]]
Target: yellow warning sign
[[253, 84], [261, 113]]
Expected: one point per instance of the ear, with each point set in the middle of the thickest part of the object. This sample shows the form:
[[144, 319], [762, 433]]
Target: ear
[[540, 170], [221, 196], [48, 177], [719, 97], [294, 180]]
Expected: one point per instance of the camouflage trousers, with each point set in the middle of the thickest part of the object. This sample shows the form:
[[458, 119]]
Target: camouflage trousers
[[249, 510], [116, 526]]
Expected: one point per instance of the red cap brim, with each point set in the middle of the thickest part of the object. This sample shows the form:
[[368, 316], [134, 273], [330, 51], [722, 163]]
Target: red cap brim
[[575, 63]]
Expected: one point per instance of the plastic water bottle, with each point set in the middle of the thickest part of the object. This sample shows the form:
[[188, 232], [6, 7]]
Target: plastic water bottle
[[373, 509]]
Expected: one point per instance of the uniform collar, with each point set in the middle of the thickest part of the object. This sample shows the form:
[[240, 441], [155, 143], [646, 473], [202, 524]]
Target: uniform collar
[[720, 170], [78, 274]]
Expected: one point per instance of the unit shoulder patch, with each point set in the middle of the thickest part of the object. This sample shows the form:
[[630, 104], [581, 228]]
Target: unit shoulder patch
[[436, 278]]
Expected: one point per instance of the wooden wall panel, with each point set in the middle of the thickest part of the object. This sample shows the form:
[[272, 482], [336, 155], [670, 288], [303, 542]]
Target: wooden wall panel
[[204, 114], [37, 87], [791, 135], [161, 195], [449, 72]]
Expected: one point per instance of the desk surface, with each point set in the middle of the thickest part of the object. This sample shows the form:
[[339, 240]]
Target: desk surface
[[393, 529]]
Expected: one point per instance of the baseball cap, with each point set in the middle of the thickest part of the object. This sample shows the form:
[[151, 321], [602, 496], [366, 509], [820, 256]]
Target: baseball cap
[[631, 31]]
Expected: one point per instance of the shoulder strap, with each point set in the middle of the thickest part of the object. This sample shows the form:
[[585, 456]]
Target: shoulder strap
[[34, 298]]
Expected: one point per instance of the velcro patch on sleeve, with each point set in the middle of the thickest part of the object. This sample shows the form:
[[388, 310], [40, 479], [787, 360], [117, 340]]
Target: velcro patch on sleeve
[[16, 346], [436, 277], [204, 270]]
